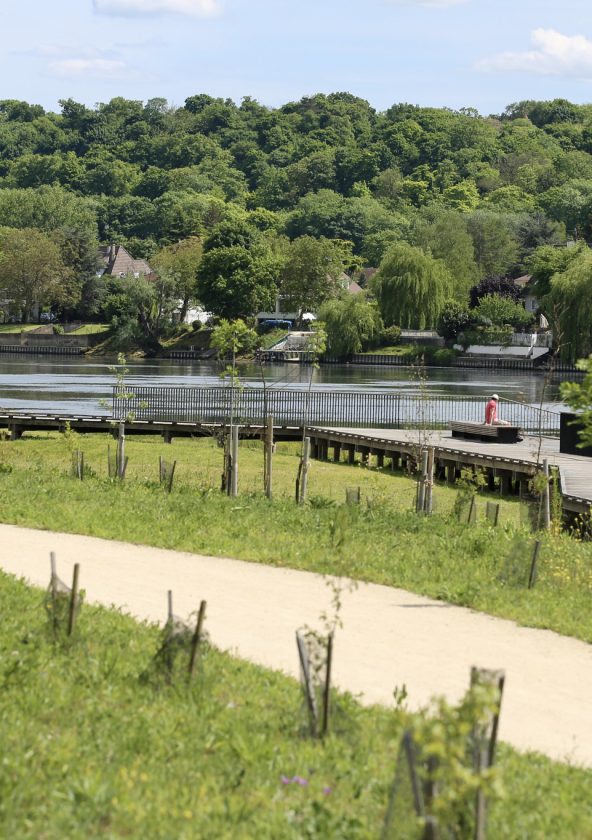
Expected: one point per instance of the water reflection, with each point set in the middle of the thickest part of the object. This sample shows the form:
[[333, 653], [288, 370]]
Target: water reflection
[[76, 385]]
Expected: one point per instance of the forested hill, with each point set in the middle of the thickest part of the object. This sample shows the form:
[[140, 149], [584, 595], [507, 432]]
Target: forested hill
[[232, 204], [151, 174]]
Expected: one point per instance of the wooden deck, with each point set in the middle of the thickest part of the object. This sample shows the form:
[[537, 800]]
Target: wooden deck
[[513, 463]]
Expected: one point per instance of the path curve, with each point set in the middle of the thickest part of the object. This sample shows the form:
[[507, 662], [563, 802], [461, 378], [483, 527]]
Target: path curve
[[390, 637]]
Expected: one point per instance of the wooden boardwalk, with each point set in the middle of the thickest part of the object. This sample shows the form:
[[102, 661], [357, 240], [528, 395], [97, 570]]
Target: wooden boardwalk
[[513, 464]]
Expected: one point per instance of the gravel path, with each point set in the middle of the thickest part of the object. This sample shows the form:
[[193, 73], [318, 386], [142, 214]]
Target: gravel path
[[390, 637]]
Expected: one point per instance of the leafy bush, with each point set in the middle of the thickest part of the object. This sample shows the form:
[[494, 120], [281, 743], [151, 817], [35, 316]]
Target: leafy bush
[[196, 325], [453, 320], [390, 336], [58, 329], [501, 311]]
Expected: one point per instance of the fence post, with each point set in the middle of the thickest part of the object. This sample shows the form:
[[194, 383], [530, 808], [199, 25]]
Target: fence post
[[73, 599], [430, 481]]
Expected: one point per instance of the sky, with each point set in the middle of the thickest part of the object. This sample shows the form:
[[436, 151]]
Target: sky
[[482, 54]]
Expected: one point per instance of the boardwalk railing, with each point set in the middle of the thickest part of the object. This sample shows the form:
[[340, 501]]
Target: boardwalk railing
[[373, 409]]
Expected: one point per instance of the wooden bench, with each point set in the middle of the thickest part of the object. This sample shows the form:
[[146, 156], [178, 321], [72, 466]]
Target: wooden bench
[[484, 432]]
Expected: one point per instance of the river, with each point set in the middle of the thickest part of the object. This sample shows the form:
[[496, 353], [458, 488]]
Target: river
[[77, 385]]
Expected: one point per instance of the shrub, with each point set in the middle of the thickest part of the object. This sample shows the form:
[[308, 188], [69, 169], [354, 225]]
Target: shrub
[[58, 329], [196, 325], [390, 336]]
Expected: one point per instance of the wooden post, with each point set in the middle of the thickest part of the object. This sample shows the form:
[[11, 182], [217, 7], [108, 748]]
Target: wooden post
[[532, 575], [336, 452], [420, 506], [268, 449], [429, 481], [121, 451], [234, 461], [73, 599], [170, 605], [327, 689], [303, 487], [546, 498], [308, 689], [380, 459], [196, 637], [351, 454]]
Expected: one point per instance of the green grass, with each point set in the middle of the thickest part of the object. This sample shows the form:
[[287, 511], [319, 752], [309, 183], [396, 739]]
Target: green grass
[[90, 329], [18, 328], [90, 749], [382, 540]]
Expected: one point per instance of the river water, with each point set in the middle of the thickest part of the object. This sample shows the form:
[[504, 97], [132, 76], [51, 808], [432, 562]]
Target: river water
[[77, 385]]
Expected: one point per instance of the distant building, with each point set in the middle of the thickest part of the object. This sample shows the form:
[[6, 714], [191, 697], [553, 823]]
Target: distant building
[[531, 303], [115, 261]]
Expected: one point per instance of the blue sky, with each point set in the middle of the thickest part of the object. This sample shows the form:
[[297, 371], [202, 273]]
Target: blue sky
[[457, 53]]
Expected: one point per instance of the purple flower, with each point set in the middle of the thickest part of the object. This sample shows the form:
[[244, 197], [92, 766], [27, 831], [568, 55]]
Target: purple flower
[[327, 790], [285, 780], [299, 780]]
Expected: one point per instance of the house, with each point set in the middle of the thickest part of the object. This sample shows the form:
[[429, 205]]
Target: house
[[531, 304], [115, 261]]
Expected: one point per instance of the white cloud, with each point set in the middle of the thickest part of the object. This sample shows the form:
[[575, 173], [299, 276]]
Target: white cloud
[[554, 54], [137, 8], [95, 68]]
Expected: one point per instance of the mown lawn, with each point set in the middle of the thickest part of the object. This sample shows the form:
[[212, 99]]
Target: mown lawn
[[381, 540], [92, 748]]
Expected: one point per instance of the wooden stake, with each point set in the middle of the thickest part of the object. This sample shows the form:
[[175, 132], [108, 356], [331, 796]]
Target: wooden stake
[[327, 689], [170, 604], [234, 461], [196, 637], [546, 498], [430, 481], [268, 477], [532, 576], [73, 599], [308, 690], [420, 507], [121, 459], [304, 473]]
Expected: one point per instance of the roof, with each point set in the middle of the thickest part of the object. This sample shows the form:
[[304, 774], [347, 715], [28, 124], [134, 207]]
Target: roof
[[522, 281], [119, 263], [354, 288]]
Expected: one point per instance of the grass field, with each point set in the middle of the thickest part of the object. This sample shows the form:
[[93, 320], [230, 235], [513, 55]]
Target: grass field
[[90, 748], [381, 540], [17, 328]]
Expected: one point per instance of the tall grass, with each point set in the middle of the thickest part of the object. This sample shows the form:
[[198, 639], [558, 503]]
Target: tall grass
[[91, 749], [478, 566]]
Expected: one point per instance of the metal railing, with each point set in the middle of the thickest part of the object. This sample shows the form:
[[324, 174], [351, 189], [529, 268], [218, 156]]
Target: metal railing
[[372, 409]]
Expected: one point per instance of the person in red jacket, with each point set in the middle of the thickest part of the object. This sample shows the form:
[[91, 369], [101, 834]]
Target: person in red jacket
[[491, 417]]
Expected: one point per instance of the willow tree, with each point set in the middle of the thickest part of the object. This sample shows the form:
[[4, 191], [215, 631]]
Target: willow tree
[[569, 303], [411, 287]]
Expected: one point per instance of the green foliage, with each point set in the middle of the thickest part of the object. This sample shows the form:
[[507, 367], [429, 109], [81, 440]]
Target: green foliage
[[138, 773], [351, 322], [454, 318], [570, 301], [312, 270], [578, 395], [501, 311], [233, 338], [411, 287]]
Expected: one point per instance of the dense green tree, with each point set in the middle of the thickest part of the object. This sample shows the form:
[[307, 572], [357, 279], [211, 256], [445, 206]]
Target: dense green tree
[[312, 270], [351, 324], [494, 241], [180, 262], [32, 272], [234, 282], [443, 233], [500, 310], [454, 318], [569, 306], [411, 288]]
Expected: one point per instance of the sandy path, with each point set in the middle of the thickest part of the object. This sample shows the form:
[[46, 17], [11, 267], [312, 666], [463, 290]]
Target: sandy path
[[390, 636]]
